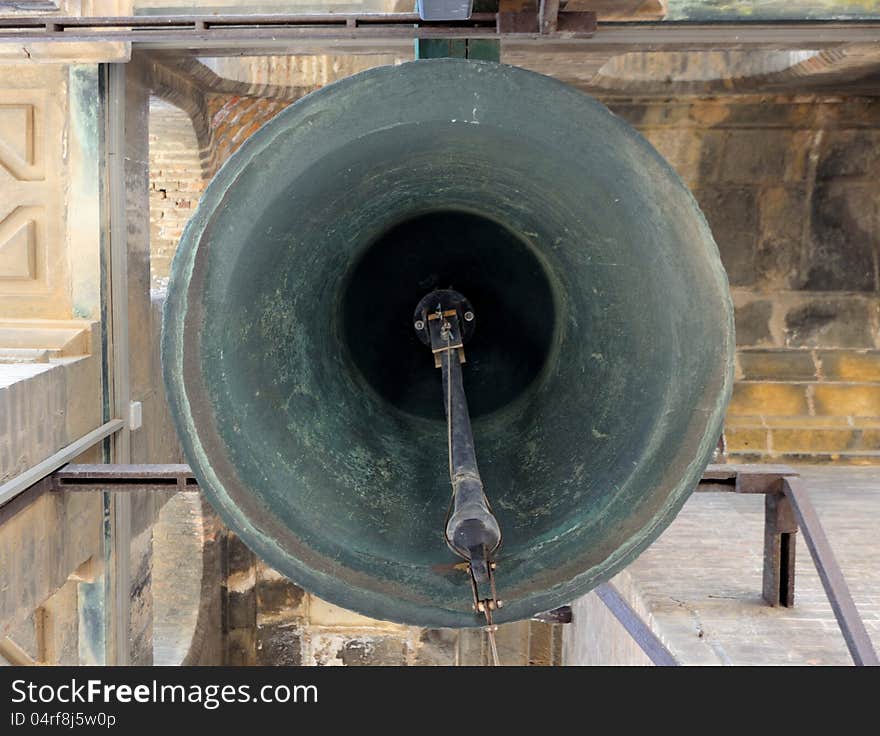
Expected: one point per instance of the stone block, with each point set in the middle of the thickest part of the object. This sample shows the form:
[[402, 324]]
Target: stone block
[[732, 216], [805, 421], [777, 365], [746, 439], [768, 399], [812, 440], [680, 147], [278, 597], [844, 322], [709, 113], [753, 322], [847, 399], [850, 365], [851, 152], [239, 558], [868, 438], [436, 647], [279, 645], [378, 651], [842, 240], [711, 146], [753, 155], [240, 648], [772, 114], [322, 613], [780, 248], [865, 421], [241, 609]]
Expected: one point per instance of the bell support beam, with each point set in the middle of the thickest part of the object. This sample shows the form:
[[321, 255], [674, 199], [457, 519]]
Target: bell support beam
[[320, 34]]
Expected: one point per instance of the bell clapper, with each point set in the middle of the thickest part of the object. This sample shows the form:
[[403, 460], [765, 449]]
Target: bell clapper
[[445, 320]]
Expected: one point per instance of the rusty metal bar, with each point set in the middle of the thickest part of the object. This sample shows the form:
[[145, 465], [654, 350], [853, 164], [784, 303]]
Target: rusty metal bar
[[230, 34], [635, 626], [851, 625], [780, 544], [80, 478]]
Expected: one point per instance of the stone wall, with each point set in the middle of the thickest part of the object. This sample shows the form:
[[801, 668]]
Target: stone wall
[[789, 187], [176, 183]]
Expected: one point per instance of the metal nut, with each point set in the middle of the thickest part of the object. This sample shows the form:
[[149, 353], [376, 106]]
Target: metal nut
[[468, 316], [419, 325]]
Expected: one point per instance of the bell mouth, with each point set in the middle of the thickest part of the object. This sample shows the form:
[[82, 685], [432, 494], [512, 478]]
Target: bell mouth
[[503, 277]]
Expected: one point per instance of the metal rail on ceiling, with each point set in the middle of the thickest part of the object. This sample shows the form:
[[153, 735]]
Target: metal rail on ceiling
[[224, 34]]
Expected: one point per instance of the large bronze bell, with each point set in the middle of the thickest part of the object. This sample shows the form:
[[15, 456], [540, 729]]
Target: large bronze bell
[[597, 375]]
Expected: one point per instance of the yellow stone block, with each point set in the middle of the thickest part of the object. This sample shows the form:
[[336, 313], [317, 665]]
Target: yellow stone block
[[846, 365], [869, 439], [777, 365], [768, 399], [746, 439], [811, 440], [806, 422], [322, 613], [847, 399]]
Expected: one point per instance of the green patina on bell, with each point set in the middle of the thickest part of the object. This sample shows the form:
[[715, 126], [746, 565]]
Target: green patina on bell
[[597, 376]]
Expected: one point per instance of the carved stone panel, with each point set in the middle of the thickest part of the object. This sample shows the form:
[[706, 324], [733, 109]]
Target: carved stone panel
[[34, 264]]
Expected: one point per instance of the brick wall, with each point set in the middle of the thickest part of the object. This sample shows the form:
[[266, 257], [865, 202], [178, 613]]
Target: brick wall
[[233, 119], [176, 183]]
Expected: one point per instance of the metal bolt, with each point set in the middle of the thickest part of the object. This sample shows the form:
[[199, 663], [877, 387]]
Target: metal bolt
[[468, 316], [420, 325]]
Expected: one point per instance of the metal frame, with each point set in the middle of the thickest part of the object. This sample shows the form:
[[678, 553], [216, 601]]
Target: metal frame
[[787, 509], [316, 33]]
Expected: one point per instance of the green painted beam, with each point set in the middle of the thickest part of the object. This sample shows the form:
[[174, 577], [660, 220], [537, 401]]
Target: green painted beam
[[482, 49]]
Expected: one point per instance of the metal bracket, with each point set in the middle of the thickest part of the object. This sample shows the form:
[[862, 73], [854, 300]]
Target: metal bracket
[[781, 485]]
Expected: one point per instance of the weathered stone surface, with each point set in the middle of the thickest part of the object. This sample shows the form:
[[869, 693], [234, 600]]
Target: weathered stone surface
[[847, 399], [746, 439], [756, 399], [732, 215], [753, 322], [377, 651], [278, 596], [241, 607], [239, 558], [279, 644], [779, 365], [779, 254], [753, 155], [830, 322], [843, 251], [42, 545], [850, 365], [436, 647], [812, 440], [849, 152]]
